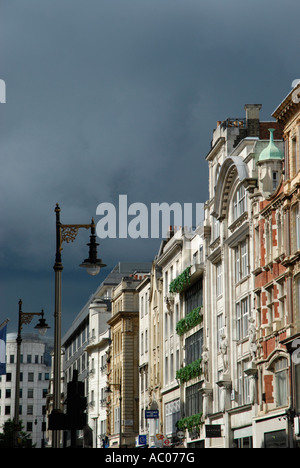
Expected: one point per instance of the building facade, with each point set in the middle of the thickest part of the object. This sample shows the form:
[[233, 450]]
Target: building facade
[[85, 348], [206, 339], [123, 375], [243, 280], [144, 358], [34, 385], [288, 114]]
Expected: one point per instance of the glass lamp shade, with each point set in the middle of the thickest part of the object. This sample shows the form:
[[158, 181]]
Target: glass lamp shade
[[92, 268], [42, 326]]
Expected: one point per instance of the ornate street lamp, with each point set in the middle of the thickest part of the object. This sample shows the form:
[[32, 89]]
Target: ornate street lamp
[[25, 318], [67, 233]]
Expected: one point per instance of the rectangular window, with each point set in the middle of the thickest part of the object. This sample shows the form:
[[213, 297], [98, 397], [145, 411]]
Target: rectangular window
[[244, 258], [172, 415], [171, 367], [241, 261], [29, 426], [242, 317], [239, 202], [194, 297], [220, 329], [295, 154], [166, 283], [193, 347], [243, 384], [146, 303], [275, 180], [166, 370], [219, 279], [117, 420], [216, 229], [281, 382], [193, 400]]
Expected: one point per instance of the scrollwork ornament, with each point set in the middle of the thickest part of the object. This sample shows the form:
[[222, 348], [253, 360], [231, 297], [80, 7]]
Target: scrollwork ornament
[[68, 234]]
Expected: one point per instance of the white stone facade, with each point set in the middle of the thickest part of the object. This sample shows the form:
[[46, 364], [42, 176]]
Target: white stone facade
[[34, 385]]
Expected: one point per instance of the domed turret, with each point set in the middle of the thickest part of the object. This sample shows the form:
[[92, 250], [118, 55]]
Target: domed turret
[[270, 167], [271, 152]]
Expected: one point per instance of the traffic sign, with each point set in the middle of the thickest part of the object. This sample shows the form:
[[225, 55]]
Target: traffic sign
[[142, 440]]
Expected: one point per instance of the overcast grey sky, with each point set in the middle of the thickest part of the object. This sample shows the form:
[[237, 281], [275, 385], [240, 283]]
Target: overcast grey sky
[[119, 97]]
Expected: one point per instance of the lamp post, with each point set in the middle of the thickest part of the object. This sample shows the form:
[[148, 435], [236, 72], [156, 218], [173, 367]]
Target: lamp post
[[67, 233], [108, 390], [25, 318]]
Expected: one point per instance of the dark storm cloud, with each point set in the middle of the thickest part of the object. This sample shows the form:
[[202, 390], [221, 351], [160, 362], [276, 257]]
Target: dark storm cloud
[[121, 97]]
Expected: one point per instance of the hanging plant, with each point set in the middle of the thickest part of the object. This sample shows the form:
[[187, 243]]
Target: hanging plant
[[191, 423], [178, 284], [191, 320], [189, 372]]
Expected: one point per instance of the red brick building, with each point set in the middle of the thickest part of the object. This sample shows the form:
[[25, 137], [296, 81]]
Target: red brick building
[[276, 229]]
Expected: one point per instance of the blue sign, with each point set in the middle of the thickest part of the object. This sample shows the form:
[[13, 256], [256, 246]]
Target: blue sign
[[151, 414], [142, 440]]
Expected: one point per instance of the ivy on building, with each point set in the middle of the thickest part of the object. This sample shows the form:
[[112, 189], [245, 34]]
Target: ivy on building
[[191, 320], [179, 283], [191, 423], [189, 372]]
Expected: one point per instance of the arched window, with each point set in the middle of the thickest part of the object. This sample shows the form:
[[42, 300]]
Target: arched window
[[239, 202]]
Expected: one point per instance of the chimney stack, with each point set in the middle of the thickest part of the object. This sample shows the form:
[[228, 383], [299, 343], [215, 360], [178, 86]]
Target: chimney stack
[[252, 119]]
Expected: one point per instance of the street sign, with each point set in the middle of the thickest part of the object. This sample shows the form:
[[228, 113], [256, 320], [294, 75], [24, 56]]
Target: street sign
[[142, 440], [151, 414], [166, 442]]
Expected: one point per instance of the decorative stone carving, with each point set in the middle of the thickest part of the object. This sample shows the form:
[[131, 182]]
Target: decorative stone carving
[[252, 339], [205, 363], [224, 352]]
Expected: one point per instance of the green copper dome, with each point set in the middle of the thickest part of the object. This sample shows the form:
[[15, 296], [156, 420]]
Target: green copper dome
[[271, 152]]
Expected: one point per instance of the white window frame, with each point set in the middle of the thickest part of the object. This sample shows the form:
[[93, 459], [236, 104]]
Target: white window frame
[[239, 202], [172, 413], [281, 372], [219, 273], [242, 261], [242, 318]]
